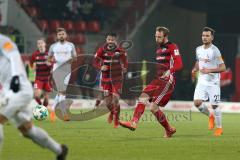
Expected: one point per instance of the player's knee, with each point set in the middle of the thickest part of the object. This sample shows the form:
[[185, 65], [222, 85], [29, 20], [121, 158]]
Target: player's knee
[[108, 100], [37, 96], [144, 99], [115, 100], [214, 106], [3, 119], [153, 108], [24, 128], [62, 93], [197, 103]]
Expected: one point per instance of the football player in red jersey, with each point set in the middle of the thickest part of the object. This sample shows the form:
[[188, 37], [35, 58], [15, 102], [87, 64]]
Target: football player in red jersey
[[160, 89], [112, 61], [42, 85]]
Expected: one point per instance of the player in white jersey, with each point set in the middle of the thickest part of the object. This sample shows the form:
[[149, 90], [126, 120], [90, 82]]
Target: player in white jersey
[[61, 52], [15, 94], [209, 64]]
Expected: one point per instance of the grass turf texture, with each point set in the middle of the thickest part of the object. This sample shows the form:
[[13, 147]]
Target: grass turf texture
[[97, 140]]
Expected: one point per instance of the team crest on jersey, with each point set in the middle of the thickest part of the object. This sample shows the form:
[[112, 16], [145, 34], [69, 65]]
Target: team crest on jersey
[[8, 46]]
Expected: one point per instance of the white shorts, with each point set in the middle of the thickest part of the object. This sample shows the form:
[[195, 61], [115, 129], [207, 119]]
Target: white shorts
[[17, 109], [207, 92], [61, 77]]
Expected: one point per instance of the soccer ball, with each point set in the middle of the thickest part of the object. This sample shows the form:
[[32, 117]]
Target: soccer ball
[[40, 112]]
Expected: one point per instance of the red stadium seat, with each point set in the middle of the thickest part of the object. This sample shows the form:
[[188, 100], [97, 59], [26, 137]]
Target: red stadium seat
[[78, 39], [51, 39], [93, 26], [32, 12], [68, 25], [110, 3], [54, 24], [24, 2], [80, 26], [43, 25], [79, 50]]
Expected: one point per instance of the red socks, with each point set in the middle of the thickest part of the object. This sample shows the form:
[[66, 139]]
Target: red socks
[[139, 110], [45, 102], [117, 111], [38, 100], [160, 116]]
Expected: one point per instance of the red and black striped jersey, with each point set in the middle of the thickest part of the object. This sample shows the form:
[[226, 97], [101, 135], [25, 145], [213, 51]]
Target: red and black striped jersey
[[43, 70], [168, 58], [115, 59]]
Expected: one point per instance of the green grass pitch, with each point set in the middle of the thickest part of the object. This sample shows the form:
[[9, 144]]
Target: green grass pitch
[[97, 140]]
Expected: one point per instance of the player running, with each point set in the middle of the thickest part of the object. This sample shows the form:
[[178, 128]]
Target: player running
[[60, 53], [210, 64], [112, 61], [160, 89], [39, 60], [16, 93]]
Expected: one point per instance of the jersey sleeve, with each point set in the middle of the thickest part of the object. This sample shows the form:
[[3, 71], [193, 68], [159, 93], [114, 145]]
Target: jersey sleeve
[[10, 50], [218, 56], [177, 59]]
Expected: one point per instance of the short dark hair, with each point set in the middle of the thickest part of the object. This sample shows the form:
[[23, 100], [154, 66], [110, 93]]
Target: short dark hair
[[206, 29], [112, 34], [41, 39], [165, 30], [60, 30]]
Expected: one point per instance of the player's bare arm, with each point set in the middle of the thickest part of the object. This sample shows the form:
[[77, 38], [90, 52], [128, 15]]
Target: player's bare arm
[[50, 60], [219, 69], [195, 70]]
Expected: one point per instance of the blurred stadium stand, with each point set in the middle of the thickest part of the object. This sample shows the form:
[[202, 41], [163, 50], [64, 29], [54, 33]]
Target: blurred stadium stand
[[88, 20]]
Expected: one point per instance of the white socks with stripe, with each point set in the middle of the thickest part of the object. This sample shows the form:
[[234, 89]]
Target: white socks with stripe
[[218, 117], [56, 100], [204, 109], [1, 136]]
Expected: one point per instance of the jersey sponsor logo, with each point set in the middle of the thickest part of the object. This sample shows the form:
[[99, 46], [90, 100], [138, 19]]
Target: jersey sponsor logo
[[176, 52], [204, 60], [117, 53]]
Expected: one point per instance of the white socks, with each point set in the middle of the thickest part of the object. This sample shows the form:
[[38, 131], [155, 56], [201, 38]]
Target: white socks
[[62, 98], [56, 100], [218, 117], [1, 136], [40, 137], [204, 109]]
